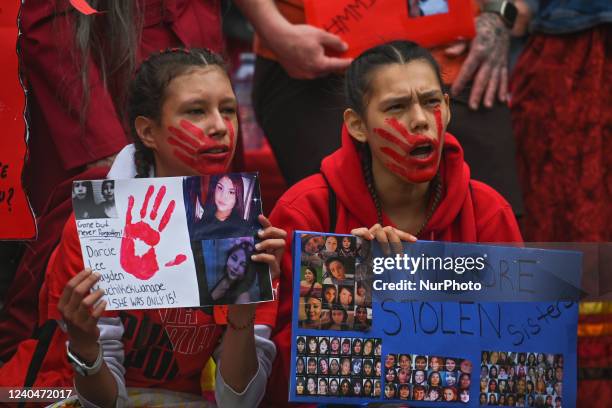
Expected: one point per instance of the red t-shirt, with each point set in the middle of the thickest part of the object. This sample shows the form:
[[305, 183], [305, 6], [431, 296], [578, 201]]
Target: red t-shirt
[[165, 348]]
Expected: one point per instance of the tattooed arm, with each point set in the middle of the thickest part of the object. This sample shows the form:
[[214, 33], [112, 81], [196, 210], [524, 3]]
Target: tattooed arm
[[487, 62]]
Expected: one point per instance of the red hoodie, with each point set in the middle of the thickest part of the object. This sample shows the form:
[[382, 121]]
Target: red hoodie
[[469, 211]]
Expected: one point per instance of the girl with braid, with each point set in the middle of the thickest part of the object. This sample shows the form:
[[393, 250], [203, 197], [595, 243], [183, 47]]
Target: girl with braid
[[399, 176], [177, 96]]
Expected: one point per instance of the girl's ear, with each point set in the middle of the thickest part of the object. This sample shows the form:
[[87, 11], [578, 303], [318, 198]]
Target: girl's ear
[[146, 129], [448, 109], [355, 125]]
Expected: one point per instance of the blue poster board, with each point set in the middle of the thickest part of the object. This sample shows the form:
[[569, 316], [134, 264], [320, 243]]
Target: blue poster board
[[521, 352]]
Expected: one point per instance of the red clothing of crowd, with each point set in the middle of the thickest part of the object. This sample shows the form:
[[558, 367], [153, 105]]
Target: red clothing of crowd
[[59, 148], [469, 211]]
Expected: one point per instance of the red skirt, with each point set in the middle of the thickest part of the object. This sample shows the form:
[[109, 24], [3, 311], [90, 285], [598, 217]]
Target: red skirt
[[562, 120]]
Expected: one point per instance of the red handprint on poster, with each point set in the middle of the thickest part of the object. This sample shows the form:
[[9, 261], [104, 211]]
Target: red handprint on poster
[[145, 266]]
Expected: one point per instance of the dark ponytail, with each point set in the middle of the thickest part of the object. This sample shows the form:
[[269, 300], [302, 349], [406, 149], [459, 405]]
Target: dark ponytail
[[148, 91]]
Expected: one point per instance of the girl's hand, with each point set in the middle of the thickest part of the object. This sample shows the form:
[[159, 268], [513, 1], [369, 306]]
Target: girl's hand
[[241, 314], [271, 248], [76, 305], [390, 238]]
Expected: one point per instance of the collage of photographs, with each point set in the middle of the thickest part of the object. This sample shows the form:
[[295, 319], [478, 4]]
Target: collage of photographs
[[338, 366], [221, 220], [334, 293], [521, 379], [427, 378]]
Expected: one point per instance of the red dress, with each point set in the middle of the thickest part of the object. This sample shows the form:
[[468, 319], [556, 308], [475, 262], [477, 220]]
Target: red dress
[[561, 98]]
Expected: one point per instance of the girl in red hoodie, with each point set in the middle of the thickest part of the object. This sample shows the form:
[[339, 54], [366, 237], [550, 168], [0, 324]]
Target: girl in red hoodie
[[397, 177]]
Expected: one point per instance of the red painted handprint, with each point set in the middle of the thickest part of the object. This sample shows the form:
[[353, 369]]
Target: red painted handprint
[[203, 153], [145, 266], [414, 157]]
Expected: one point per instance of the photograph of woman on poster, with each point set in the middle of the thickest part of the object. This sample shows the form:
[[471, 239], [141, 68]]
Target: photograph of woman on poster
[[333, 386], [107, 205], [345, 297], [345, 388], [339, 319], [330, 294], [238, 277], [362, 297], [368, 348], [311, 245], [367, 388], [309, 285], [300, 367], [323, 345], [312, 365], [347, 247], [331, 247], [368, 369], [227, 206], [312, 313], [336, 271], [311, 386], [362, 322], [300, 385], [323, 366], [83, 201], [334, 346]]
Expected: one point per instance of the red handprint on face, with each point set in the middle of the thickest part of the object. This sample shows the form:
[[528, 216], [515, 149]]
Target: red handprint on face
[[145, 266], [414, 157], [203, 153]]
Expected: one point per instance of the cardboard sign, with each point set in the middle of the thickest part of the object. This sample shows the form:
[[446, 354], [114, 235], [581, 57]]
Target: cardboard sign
[[172, 242], [363, 24], [453, 353], [16, 216]]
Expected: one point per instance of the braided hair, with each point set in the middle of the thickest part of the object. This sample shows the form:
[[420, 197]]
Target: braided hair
[[357, 91], [147, 91]]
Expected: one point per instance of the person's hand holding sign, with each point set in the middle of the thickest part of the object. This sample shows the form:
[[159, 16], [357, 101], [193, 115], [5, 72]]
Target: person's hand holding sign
[[145, 266], [76, 305], [389, 238]]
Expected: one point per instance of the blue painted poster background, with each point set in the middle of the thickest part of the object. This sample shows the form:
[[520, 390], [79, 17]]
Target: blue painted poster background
[[460, 329]]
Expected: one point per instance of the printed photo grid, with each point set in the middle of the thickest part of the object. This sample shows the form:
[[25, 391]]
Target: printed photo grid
[[334, 293], [427, 378], [521, 379], [338, 366]]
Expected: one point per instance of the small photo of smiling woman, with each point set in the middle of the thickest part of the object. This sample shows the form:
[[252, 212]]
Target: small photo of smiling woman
[[222, 205]]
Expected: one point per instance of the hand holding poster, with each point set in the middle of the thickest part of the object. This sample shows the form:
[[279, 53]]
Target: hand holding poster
[[172, 242], [426, 22], [376, 344]]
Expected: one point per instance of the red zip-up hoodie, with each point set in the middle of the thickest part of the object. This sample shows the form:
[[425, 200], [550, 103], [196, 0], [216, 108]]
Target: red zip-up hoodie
[[469, 211]]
